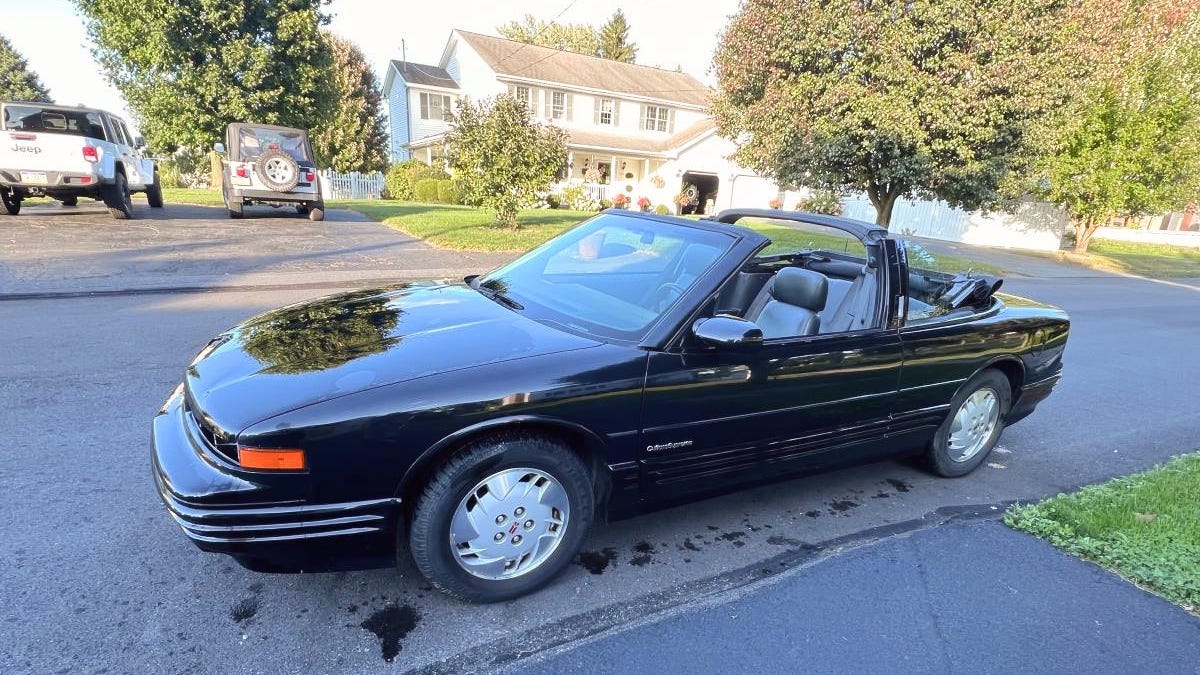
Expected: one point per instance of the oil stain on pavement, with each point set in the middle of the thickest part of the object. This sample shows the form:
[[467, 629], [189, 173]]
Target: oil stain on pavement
[[596, 561], [390, 625]]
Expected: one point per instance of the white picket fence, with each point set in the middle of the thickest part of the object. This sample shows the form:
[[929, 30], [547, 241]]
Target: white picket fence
[[353, 185]]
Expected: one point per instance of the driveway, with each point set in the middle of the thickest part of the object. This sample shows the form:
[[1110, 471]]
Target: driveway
[[54, 249], [98, 577]]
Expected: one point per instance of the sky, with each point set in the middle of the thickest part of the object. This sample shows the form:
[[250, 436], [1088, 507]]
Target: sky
[[51, 37]]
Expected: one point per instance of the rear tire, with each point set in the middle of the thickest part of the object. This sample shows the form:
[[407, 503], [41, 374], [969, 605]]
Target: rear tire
[[235, 210], [118, 199], [316, 212], [302, 209], [70, 201], [11, 201], [154, 193], [539, 513], [973, 426]]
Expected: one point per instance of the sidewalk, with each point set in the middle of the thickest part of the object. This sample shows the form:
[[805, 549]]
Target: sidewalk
[[965, 597]]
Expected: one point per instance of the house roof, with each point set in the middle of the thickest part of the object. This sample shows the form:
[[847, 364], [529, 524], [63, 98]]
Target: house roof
[[517, 59], [617, 141], [424, 74], [608, 141]]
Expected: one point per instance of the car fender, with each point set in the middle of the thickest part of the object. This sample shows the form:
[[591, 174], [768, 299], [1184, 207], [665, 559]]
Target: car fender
[[441, 449]]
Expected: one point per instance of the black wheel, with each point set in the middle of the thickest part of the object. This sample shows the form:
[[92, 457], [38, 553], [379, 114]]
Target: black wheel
[[277, 170], [235, 210], [11, 201], [316, 212], [118, 200], [973, 426], [502, 517], [154, 193], [302, 209], [70, 201]]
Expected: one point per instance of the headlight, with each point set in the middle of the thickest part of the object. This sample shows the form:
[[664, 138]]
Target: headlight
[[176, 394]]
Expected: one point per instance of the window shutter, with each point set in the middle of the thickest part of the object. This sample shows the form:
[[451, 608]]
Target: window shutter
[[671, 123], [570, 102], [645, 117], [549, 98], [596, 111], [616, 118]]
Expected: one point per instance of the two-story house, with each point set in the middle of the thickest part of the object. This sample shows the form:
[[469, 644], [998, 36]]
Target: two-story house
[[635, 129]]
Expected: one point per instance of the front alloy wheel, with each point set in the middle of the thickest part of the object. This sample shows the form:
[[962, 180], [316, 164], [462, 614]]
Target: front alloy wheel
[[973, 427], [501, 517]]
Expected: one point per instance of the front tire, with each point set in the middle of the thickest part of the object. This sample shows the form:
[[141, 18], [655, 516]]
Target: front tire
[[973, 426], [502, 517], [118, 199]]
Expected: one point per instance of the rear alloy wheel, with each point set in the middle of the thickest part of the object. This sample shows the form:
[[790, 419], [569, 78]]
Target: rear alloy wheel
[[11, 201], [973, 427], [118, 199], [277, 170], [502, 517]]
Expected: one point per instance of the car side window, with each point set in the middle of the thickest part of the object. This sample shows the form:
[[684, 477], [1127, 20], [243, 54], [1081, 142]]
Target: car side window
[[118, 132]]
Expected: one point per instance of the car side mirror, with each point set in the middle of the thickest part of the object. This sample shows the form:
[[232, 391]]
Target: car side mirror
[[219, 148], [729, 333], [139, 143]]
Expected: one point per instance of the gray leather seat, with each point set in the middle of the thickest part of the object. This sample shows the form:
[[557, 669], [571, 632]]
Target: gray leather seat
[[795, 297]]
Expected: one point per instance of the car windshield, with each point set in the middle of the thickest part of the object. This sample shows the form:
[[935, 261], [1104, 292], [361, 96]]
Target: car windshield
[[53, 121], [253, 142], [611, 277]]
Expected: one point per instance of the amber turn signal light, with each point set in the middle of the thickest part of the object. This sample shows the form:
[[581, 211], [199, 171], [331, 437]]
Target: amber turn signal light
[[277, 459]]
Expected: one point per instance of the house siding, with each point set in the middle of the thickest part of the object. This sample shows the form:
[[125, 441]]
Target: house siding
[[398, 120]]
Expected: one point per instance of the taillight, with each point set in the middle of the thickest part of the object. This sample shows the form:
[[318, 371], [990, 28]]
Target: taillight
[[90, 154], [241, 172], [23, 137], [271, 459], [310, 176]]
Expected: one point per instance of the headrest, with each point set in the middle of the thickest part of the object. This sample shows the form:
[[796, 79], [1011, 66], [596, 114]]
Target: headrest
[[800, 287]]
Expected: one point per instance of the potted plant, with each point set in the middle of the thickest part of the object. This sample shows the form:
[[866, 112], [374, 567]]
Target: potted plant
[[776, 203], [643, 203], [621, 200]]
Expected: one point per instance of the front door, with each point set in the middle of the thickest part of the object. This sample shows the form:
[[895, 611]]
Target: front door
[[712, 420]]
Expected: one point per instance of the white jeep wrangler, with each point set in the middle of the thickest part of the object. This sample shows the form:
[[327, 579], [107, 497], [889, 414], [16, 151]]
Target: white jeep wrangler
[[67, 152], [267, 164]]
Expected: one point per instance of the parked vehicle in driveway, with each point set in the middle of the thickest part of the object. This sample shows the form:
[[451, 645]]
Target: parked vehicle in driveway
[[633, 362], [67, 152], [272, 165]]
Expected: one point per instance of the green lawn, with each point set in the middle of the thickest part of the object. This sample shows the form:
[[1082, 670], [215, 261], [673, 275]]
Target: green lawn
[[1157, 261], [206, 197], [1145, 527]]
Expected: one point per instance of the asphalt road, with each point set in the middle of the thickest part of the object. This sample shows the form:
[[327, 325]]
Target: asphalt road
[[96, 577]]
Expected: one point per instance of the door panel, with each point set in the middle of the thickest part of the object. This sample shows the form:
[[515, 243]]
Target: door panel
[[712, 419]]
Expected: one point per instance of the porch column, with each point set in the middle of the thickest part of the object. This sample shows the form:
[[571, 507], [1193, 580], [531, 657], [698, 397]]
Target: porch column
[[612, 170], [570, 164], [646, 169]]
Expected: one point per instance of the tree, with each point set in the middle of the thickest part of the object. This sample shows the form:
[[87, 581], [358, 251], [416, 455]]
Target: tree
[[614, 39], [1127, 144], [189, 67], [571, 37], [17, 81], [355, 137], [500, 158], [921, 99]]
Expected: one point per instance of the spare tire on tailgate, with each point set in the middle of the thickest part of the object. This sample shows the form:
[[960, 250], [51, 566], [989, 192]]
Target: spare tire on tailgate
[[277, 170]]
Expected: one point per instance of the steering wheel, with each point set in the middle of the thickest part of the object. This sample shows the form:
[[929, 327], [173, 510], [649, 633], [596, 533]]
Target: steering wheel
[[666, 295]]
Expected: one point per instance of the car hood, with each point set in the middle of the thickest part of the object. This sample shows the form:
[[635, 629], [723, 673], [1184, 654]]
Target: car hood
[[321, 349]]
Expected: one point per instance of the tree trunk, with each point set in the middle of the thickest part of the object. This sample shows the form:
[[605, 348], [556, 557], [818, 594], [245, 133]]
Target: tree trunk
[[883, 204], [1083, 234]]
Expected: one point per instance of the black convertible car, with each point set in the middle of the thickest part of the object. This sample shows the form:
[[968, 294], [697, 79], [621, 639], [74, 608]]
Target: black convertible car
[[632, 362]]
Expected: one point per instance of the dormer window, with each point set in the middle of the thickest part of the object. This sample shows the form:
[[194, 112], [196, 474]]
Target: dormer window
[[435, 107], [657, 118]]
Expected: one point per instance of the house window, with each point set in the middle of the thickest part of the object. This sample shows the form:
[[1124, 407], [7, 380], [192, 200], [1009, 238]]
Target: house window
[[558, 105], [522, 94], [435, 107], [606, 111], [656, 118]]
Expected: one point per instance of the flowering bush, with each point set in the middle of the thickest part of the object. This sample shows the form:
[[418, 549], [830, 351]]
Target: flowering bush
[[658, 182], [775, 203], [682, 199], [643, 203], [620, 200]]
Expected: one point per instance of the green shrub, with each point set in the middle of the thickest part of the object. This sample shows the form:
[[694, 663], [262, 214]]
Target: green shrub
[[575, 197], [605, 204], [662, 210], [554, 200], [822, 201], [426, 190], [446, 192], [402, 178], [169, 175]]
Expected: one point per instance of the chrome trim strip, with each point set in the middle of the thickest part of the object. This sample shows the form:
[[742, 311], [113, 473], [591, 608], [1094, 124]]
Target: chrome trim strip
[[807, 406]]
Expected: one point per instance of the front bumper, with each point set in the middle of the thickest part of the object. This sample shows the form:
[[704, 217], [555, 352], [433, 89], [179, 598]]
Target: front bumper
[[224, 512]]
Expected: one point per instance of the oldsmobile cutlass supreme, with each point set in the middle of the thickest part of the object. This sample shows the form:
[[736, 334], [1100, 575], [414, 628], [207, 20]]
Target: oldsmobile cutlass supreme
[[632, 362]]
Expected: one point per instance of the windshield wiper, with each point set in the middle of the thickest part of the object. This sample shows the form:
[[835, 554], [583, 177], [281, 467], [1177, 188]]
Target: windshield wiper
[[497, 296]]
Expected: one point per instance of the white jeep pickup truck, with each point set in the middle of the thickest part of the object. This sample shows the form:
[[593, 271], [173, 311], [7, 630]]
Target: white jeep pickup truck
[[68, 152]]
